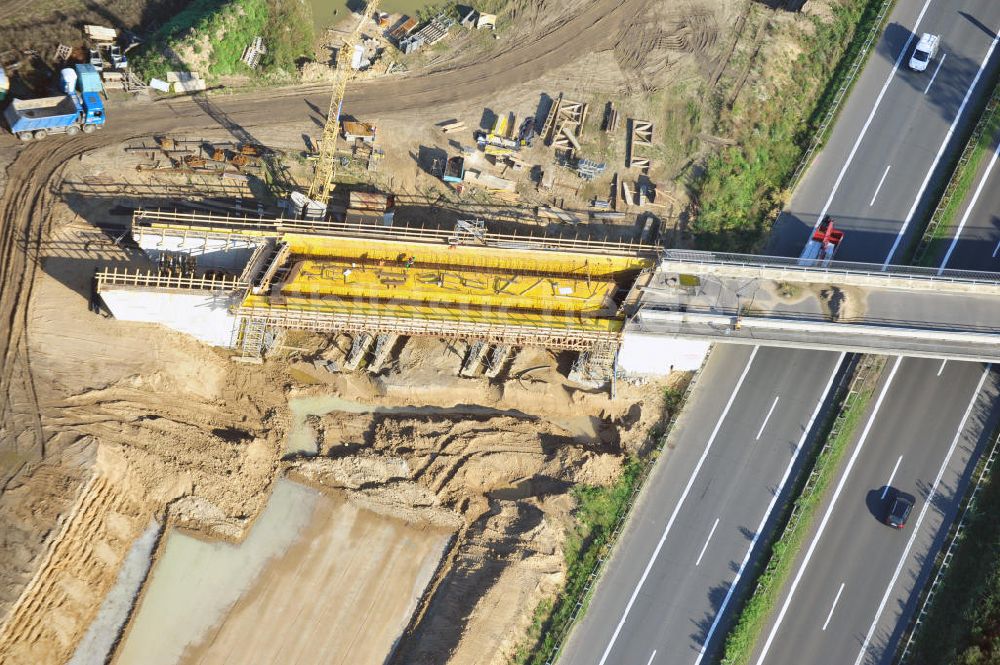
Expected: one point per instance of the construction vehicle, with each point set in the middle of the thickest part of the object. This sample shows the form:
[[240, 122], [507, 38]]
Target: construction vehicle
[[65, 114], [118, 59], [454, 171], [96, 60], [822, 245], [326, 163], [79, 109]]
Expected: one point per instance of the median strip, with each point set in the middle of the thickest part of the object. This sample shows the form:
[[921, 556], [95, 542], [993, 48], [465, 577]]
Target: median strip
[[957, 190], [811, 489]]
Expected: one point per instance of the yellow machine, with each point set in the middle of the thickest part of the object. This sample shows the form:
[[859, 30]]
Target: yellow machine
[[326, 163]]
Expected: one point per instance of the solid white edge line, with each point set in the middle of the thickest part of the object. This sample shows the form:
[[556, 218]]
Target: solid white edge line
[[923, 513], [941, 368], [880, 183], [767, 417], [941, 62], [829, 512], [891, 476], [940, 153], [968, 212], [871, 116], [834, 606], [651, 657], [677, 508], [770, 508], [707, 541], [997, 248]]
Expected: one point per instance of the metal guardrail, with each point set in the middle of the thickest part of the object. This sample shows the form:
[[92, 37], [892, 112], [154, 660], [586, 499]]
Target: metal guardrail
[[833, 269], [225, 223], [148, 279], [866, 367], [927, 239], [949, 553], [819, 136], [612, 542]]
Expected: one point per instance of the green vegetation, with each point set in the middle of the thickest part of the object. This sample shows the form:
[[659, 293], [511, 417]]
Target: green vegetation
[[742, 186], [210, 36], [771, 581], [598, 510], [959, 186], [963, 623], [589, 539]]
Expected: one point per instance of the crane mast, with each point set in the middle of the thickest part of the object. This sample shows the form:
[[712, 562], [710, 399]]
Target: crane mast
[[326, 164]]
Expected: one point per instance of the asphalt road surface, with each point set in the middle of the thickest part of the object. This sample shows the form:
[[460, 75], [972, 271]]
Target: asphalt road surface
[[856, 585], [696, 525], [653, 605]]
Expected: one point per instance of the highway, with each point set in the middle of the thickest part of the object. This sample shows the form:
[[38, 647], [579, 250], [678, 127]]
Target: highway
[[696, 524], [856, 585], [652, 604]]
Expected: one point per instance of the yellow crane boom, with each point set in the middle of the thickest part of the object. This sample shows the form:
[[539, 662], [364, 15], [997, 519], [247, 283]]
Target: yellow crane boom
[[326, 165]]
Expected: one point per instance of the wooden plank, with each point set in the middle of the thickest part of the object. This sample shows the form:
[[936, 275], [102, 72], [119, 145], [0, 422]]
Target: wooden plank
[[627, 194], [572, 139], [550, 120]]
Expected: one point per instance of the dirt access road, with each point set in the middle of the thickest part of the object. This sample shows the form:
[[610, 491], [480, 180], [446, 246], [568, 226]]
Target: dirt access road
[[26, 195]]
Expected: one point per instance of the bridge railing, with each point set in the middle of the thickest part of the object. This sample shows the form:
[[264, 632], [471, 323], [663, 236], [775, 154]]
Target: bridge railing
[[832, 270]]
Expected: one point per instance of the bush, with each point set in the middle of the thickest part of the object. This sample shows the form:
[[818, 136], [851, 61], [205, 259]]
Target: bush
[[742, 186], [963, 622], [224, 29], [598, 510]]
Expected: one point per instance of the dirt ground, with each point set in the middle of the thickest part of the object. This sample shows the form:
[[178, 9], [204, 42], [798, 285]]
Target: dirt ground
[[500, 480], [107, 423], [154, 424]]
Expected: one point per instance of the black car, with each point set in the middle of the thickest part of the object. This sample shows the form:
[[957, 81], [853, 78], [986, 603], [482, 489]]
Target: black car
[[900, 511]]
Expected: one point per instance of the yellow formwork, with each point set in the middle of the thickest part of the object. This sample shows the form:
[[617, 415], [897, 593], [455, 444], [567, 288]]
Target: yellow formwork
[[460, 315], [515, 260], [437, 287]]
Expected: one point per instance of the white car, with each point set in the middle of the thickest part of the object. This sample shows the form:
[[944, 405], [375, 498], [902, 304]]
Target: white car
[[924, 52]]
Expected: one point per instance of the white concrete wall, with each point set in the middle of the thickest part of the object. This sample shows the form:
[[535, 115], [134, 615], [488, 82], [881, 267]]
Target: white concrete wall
[[202, 315], [642, 354], [229, 254]]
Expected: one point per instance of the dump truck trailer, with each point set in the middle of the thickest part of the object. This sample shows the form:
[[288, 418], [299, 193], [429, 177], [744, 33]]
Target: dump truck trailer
[[70, 114]]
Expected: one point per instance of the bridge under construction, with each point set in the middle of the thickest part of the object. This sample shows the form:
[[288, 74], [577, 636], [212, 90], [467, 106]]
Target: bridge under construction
[[234, 281], [238, 282]]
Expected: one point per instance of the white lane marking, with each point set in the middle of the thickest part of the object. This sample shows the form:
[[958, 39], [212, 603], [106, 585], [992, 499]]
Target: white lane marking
[[891, 476], [767, 417], [935, 73], [834, 606], [923, 513], [880, 182], [968, 211], [997, 248], [940, 153], [871, 116], [705, 546], [767, 513], [829, 512], [677, 508], [651, 657], [941, 368]]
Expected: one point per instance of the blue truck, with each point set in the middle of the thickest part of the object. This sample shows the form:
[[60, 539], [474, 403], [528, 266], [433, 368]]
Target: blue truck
[[79, 109]]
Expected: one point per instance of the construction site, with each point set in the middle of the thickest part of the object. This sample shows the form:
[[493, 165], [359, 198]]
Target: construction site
[[303, 352]]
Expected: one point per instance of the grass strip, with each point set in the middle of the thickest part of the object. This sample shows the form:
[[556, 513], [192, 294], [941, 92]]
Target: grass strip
[[743, 187], [810, 490], [962, 624], [598, 518], [218, 31], [958, 187], [598, 511]]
